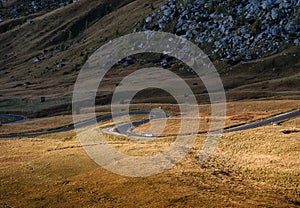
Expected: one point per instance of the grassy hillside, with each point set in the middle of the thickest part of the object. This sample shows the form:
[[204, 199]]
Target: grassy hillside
[[60, 40], [256, 168]]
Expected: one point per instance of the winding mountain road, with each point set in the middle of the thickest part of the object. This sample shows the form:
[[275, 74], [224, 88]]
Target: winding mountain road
[[264, 122], [126, 128], [70, 127]]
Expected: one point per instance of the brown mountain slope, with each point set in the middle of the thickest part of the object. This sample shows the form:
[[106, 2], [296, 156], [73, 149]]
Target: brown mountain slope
[[90, 23], [58, 40]]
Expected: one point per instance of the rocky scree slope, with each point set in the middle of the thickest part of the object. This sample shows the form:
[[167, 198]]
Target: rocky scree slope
[[231, 30], [13, 9]]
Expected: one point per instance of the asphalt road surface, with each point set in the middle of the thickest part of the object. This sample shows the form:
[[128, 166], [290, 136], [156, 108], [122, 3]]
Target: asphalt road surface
[[272, 120], [125, 128], [70, 127]]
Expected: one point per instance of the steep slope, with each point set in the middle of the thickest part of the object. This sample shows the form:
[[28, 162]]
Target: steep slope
[[48, 52], [42, 57], [232, 30]]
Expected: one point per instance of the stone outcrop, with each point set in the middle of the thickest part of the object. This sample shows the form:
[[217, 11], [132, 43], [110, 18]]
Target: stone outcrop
[[232, 29]]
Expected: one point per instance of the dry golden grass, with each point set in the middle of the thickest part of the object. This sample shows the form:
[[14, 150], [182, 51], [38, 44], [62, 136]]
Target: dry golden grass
[[38, 124], [255, 168], [237, 113]]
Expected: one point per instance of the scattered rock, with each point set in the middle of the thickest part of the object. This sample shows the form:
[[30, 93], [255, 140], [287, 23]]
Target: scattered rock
[[76, 67], [24, 8], [148, 19], [29, 21], [36, 60], [275, 13], [290, 131], [164, 63], [247, 29], [46, 70], [27, 83], [60, 65]]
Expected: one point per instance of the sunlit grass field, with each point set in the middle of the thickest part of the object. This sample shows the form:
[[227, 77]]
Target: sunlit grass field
[[253, 168]]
